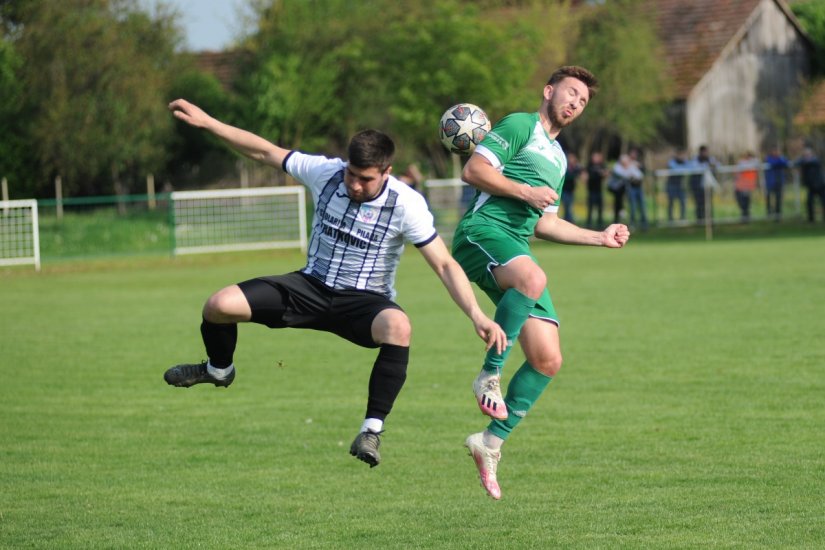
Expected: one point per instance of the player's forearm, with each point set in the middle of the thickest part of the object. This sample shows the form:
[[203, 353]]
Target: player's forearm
[[561, 231], [246, 143], [480, 174], [457, 284]]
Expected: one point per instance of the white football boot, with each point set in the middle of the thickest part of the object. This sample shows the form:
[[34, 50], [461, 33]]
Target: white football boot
[[486, 461], [487, 388]]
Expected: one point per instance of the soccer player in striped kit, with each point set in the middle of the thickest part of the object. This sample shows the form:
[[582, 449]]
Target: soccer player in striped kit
[[363, 215]]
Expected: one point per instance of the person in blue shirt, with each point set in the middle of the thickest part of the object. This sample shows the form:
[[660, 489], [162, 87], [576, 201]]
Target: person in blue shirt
[[774, 182], [675, 185]]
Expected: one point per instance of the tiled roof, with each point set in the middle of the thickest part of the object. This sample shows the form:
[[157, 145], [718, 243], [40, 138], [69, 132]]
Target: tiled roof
[[224, 65], [695, 33]]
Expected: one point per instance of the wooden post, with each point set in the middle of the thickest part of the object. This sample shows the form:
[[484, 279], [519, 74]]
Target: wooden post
[[244, 175], [150, 191], [4, 184], [706, 184], [244, 169], [58, 195]]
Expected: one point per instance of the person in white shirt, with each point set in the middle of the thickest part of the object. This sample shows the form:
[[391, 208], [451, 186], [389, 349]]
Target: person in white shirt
[[362, 217]]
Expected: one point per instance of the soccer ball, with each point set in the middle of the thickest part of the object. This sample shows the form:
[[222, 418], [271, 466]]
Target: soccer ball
[[463, 126]]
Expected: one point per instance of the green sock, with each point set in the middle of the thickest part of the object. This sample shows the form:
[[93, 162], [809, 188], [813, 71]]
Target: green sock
[[525, 388], [512, 312]]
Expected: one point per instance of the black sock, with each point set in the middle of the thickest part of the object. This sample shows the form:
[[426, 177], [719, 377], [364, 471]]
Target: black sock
[[388, 375], [220, 342]]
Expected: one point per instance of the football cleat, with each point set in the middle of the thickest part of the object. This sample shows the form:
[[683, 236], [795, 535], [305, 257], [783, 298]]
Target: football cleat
[[486, 461], [365, 447], [184, 376], [488, 394]]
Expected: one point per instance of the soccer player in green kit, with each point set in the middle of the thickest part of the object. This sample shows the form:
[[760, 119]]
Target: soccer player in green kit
[[518, 170]]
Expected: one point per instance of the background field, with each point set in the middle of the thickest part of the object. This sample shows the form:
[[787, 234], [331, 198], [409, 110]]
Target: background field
[[689, 412]]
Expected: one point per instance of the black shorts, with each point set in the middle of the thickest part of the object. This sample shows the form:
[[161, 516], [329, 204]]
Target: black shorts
[[296, 300]]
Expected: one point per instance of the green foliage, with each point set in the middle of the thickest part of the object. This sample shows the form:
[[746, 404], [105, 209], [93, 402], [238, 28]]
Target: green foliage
[[327, 71], [688, 413], [99, 74], [96, 78], [192, 147], [104, 232], [13, 150], [437, 54], [618, 42], [811, 14]]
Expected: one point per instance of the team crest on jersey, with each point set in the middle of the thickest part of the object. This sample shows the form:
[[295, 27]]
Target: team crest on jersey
[[367, 213]]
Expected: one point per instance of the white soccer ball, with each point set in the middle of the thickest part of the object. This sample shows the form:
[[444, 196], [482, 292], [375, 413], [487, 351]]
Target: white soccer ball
[[463, 126]]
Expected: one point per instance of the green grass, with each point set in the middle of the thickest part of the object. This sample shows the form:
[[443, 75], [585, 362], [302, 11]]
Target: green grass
[[688, 414], [104, 232]]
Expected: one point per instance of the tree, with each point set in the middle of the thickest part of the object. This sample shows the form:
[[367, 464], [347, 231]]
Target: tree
[[326, 70], [436, 54], [811, 15], [618, 42], [13, 150], [96, 82], [193, 151]]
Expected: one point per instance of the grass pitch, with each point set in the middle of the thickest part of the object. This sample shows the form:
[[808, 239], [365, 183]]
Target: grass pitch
[[689, 412]]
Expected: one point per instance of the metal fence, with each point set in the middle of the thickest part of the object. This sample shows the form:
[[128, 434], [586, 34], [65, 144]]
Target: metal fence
[[716, 189], [711, 191]]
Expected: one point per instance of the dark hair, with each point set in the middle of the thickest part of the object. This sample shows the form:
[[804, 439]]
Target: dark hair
[[579, 73], [371, 148]]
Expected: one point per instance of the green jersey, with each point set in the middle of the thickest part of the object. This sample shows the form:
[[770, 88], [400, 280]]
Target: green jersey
[[522, 151]]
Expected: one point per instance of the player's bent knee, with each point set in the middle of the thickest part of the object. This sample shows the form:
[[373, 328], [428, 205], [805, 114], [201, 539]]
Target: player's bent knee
[[535, 283], [531, 282], [549, 365], [228, 305], [392, 326]]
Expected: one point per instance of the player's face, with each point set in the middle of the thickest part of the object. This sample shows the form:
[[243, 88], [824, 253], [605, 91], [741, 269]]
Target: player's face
[[364, 184], [566, 101]]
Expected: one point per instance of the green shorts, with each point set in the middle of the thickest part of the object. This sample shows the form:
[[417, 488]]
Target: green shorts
[[478, 248]]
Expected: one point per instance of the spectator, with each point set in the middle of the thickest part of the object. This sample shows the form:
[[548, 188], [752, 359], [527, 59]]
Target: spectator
[[413, 177], [810, 175], [701, 163], [623, 172], [596, 174], [747, 179], [675, 186], [574, 170], [775, 182], [362, 217], [636, 191]]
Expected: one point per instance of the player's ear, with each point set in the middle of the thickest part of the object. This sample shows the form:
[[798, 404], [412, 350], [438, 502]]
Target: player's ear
[[388, 171], [548, 91]]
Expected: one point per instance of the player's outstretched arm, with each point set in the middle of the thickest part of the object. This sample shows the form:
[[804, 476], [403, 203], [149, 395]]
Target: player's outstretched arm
[[552, 228], [457, 284], [246, 143], [479, 173]]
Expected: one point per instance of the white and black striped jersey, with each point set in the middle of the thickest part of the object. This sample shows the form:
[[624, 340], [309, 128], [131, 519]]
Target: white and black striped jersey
[[358, 245]]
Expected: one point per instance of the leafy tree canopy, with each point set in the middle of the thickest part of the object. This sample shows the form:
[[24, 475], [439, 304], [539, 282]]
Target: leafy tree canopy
[[618, 42], [811, 15], [327, 70], [95, 81]]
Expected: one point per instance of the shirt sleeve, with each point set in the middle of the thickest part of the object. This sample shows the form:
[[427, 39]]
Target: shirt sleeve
[[508, 136], [314, 171], [419, 224]]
